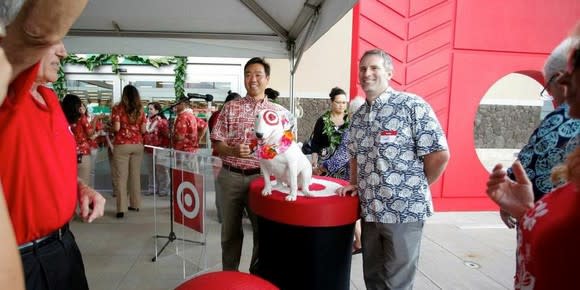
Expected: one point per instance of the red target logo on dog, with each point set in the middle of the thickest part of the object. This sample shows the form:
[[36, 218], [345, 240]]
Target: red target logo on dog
[[188, 204]]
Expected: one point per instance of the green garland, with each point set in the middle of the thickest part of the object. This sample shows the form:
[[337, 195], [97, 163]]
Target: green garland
[[334, 135], [97, 60], [180, 68]]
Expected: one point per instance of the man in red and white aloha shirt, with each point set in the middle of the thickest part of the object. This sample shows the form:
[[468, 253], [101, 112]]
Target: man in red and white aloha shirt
[[233, 138]]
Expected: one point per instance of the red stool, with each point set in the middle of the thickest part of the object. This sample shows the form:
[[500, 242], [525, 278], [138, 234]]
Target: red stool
[[230, 280]]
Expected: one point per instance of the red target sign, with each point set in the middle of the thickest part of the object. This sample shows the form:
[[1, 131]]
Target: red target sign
[[188, 199]]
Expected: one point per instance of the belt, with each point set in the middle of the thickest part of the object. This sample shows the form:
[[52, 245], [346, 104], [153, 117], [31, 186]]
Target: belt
[[41, 242], [246, 172]]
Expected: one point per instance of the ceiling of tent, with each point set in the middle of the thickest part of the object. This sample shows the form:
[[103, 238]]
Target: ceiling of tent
[[216, 28]]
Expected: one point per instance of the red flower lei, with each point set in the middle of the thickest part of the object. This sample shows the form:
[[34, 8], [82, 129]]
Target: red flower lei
[[270, 151]]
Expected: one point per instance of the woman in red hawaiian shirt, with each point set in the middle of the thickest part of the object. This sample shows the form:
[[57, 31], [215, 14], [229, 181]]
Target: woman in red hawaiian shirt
[[83, 131], [129, 125], [157, 135]]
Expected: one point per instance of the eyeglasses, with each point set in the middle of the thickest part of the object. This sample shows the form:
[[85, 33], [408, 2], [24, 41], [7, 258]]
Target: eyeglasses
[[340, 103], [544, 95]]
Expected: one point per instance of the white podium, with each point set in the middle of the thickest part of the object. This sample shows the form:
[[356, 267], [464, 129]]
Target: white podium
[[180, 218]]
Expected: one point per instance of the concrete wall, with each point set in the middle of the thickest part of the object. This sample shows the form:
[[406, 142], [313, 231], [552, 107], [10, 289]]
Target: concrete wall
[[500, 126], [313, 109]]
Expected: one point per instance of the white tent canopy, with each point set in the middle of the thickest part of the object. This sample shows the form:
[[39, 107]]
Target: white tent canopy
[[216, 28]]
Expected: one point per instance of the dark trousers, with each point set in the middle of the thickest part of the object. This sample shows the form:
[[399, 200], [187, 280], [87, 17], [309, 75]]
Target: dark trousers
[[232, 191], [57, 265]]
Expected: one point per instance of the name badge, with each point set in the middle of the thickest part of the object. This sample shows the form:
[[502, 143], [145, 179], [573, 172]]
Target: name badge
[[388, 136]]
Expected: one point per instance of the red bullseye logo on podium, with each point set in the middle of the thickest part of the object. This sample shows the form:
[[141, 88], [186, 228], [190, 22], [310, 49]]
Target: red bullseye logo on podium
[[188, 199]]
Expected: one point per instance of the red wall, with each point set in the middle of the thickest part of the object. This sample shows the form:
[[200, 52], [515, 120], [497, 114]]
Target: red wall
[[451, 53]]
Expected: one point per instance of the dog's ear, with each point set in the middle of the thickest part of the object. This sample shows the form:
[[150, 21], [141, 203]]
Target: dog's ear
[[287, 119]]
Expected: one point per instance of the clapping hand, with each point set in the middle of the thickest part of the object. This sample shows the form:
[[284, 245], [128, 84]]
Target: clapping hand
[[514, 197]]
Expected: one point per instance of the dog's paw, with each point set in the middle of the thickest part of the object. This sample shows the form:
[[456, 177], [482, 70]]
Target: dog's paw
[[266, 191], [291, 197], [307, 193]]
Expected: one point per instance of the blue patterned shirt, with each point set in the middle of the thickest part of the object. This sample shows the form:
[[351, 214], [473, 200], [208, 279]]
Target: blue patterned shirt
[[338, 164], [548, 146], [388, 139]]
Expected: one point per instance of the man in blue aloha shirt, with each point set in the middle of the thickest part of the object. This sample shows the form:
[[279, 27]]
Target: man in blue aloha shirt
[[556, 136], [397, 149]]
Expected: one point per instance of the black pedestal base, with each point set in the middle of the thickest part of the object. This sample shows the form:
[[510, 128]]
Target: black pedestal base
[[303, 258]]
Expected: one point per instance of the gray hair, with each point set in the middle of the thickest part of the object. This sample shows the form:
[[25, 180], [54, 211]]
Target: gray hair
[[9, 9], [355, 103], [387, 61], [558, 59]]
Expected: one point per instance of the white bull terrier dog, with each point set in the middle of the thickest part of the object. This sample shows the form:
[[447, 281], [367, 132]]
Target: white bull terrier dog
[[279, 154]]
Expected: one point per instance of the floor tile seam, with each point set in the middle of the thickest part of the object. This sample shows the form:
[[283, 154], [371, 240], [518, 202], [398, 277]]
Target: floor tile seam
[[430, 279], [130, 268], [463, 260], [483, 244]]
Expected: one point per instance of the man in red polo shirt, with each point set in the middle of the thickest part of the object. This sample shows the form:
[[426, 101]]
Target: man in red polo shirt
[[232, 138], [39, 174], [40, 182]]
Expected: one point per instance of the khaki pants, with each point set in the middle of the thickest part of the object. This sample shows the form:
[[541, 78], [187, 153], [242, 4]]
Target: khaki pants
[[84, 170], [232, 191], [113, 171], [127, 175], [159, 168]]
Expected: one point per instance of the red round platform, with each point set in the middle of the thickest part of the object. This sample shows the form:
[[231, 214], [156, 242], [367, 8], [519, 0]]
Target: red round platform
[[325, 211], [230, 280]]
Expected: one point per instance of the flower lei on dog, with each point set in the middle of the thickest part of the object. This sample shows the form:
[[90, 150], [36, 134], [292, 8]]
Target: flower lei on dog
[[270, 151]]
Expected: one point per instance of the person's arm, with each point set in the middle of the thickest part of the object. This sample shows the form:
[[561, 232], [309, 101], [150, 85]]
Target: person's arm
[[353, 186], [317, 135], [201, 129], [240, 150], [11, 266], [116, 126], [143, 123], [38, 25], [151, 126], [116, 119], [434, 164], [218, 137], [88, 127]]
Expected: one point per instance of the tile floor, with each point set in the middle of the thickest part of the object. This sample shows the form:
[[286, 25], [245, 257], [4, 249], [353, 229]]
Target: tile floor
[[460, 250]]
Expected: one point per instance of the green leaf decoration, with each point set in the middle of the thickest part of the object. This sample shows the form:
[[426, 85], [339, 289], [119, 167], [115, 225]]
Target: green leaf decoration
[[91, 62], [180, 69], [60, 85]]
